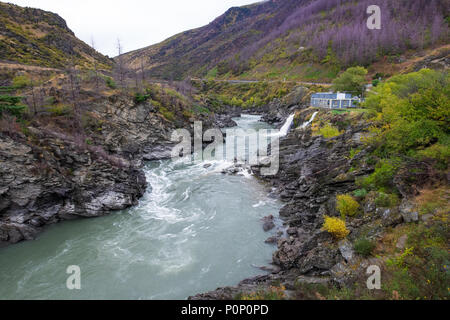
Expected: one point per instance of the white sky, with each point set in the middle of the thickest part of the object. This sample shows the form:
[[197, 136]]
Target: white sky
[[138, 23]]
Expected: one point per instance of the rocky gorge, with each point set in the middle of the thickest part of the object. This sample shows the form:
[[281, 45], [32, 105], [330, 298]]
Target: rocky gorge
[[313, 171], [48, 177]]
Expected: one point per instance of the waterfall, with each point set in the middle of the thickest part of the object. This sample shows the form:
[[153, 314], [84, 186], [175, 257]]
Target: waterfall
[[307, 123], [285, 129], [288, 124]]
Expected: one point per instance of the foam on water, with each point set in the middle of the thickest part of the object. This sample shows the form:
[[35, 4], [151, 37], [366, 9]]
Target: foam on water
[[194, 230]]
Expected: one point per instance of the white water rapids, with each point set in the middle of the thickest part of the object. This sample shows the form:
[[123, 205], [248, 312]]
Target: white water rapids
[[194, 230]]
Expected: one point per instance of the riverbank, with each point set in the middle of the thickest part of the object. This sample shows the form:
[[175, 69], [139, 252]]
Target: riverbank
[[328, 171], [193, 229]]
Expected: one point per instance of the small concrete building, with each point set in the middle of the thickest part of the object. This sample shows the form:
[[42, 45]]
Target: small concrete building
[[331, 100]]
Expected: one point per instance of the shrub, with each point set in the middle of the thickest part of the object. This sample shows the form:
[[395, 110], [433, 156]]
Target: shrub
[[59, 110], [198, 109], [187, 114], [413, 111], [155, 103], [386, 200], [273, 293], [328, 131], [10, 104], [364, 247], [110, 83], [346, 205], [21, 82], [382, 177], [421, 271], [360, 193], [139, 98], [438, 152], [167, 114], [352, 80], [336, 227], [354, 153]]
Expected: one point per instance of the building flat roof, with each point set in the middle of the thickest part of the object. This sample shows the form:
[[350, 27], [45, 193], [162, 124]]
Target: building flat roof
[[331, 95]]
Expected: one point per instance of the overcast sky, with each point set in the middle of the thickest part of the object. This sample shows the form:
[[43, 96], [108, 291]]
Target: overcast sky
[[138, 23]]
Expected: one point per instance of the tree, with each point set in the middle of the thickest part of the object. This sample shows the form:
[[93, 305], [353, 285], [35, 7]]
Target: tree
[[143, 70], [95, 67], [353, 80], [120, 63], [73, 91], [11, 104]]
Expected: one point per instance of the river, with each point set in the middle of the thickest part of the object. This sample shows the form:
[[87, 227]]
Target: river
[[194, 230]]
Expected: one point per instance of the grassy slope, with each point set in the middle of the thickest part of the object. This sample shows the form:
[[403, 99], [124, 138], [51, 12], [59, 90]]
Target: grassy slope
[[194, 52], [36, 37]]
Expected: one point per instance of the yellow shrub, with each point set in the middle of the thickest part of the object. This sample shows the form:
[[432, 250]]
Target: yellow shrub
[[328, 131], [336, 227], [347, 205]]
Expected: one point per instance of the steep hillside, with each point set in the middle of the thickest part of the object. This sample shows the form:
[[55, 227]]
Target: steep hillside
[[195, 51], [306, 39], [36, 37], [72, 140]]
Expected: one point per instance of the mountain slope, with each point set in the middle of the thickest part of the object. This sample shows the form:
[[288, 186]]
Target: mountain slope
[[194, 51], [272, 38], [36, 37]]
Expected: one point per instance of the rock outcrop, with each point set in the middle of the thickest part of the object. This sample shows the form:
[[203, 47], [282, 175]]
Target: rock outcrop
[[51, 175], [313, 170], [61, 182]]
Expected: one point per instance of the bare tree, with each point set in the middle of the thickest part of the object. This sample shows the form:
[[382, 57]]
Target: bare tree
[[142, 69], [97, 84], [120, 63], [33, 97], [73, 92], [136, 77]]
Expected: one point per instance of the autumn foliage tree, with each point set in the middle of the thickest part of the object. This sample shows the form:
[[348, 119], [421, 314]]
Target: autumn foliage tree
[[353, 80]]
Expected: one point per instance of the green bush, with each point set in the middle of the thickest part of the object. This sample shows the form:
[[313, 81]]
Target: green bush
[[6, 89], [421, 271], [364, 247], [198, 109], [360, 193], [59, 110], [386, 200], [354, 153], [346, 205], [167, 114], [438, 152], [139, 98], [21, 82], [16, 111], [382, 177], [352, 80], [110, 83], [10, 104], [412, 112]]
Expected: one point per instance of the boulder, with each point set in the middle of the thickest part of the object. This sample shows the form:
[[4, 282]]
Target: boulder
[[346, 250], [407, 211]]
